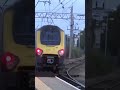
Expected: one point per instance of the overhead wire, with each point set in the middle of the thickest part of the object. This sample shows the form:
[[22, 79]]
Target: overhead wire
[[66, 21], [37, 3], [72, 3], [69, 6], [37, 27], [63, 5], [58, 5], [49, 6], [53, 21], [76, 23]]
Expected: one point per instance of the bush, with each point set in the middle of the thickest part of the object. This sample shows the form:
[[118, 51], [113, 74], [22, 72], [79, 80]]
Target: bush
[[76, 52]]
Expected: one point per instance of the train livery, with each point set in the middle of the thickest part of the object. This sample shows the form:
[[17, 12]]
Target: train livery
[[50, 46]]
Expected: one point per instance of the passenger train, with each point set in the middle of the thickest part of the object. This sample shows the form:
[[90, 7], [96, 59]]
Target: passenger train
[[50, 46]]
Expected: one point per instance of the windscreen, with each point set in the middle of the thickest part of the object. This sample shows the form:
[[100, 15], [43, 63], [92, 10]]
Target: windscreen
[[50, 36], [23, 31]]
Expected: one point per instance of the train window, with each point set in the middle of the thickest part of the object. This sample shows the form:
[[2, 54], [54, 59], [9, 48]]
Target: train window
[[50, 37], [23, 30]]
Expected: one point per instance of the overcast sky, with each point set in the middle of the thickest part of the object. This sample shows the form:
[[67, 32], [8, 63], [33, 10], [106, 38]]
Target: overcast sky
[[55, 6]]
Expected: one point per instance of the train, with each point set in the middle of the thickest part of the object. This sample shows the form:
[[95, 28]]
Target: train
[[18, 42], [18, 39], [50, 47]]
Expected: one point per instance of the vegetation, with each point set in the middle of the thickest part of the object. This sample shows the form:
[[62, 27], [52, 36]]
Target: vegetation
[[77, 52]]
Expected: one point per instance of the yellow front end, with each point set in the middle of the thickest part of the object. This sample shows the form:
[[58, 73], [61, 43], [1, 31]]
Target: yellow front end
[[49, 49]]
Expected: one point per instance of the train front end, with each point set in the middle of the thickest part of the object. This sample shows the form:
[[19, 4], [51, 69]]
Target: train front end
[[49, 47]]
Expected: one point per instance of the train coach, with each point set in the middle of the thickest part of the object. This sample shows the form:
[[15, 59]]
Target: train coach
[[50, 47]]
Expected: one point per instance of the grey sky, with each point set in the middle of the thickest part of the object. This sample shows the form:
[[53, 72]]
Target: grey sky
[[78, 7]]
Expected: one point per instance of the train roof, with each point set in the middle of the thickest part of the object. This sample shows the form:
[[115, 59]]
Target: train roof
[[49, 26]]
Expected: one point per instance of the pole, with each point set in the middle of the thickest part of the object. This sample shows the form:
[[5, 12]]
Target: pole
[[71, 33]]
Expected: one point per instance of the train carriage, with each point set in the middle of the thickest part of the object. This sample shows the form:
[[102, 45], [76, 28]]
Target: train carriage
[[50, 46], [17, 41]]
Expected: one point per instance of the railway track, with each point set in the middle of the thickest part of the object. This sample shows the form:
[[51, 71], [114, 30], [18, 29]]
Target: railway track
[[65, 75], [73, 76]]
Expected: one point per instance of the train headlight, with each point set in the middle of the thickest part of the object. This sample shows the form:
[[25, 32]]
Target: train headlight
[[39, 51], [61, 52], [9, 61]]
